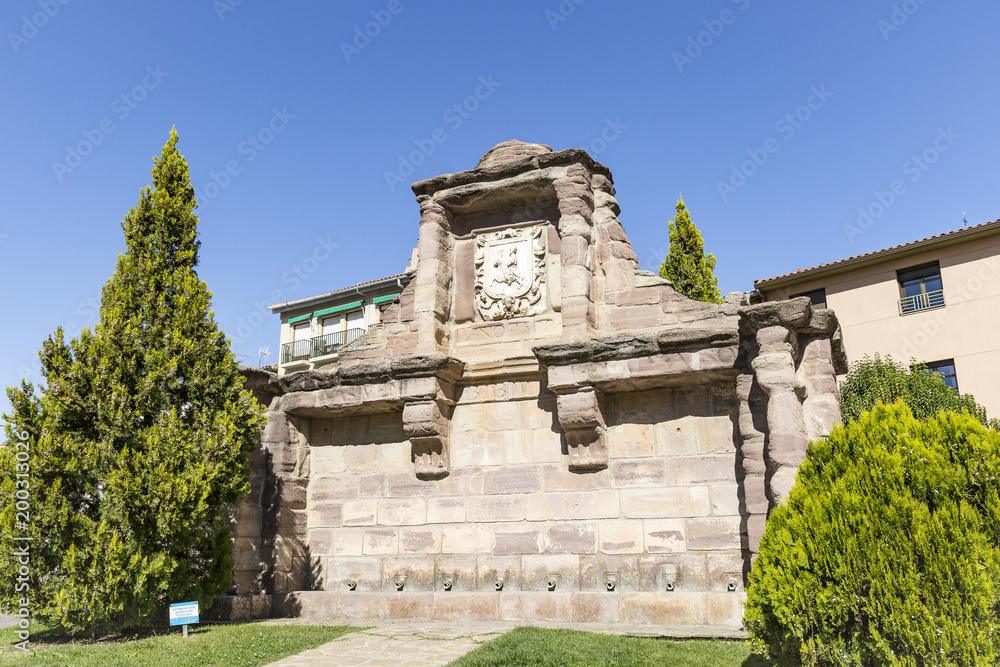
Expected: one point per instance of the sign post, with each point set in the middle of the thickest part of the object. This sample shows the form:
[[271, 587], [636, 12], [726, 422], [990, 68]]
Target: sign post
[[184, 614]]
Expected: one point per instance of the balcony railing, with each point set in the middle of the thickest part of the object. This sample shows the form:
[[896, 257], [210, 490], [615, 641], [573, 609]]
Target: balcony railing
[[332, 342], [319, 346], [296, 350], [922, 301]]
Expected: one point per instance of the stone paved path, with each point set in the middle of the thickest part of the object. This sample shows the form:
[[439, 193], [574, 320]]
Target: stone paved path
[[400, 644]]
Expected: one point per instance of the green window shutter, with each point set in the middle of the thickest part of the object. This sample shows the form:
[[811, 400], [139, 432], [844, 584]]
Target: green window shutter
[[387, 297], [300, 318], [339, 309]]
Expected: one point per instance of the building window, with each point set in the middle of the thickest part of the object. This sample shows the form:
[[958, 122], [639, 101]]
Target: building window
[[301, 341], [946, 369], [817, 297], [920, 288]]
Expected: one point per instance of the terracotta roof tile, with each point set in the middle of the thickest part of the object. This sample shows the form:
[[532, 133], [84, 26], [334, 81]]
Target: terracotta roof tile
[[873, 253]]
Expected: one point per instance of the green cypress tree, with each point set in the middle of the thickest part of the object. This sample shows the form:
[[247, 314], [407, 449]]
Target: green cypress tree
[[138, 438], [687, 266]]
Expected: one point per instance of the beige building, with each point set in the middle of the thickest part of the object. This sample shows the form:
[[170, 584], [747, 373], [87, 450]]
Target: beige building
[[315, 330], [936, 300]]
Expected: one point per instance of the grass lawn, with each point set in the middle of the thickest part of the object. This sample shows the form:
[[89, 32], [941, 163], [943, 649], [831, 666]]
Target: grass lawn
[[537, 647], [242, 645]]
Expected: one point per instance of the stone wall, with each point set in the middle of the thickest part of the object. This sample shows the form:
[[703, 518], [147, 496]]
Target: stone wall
[[541, 431]]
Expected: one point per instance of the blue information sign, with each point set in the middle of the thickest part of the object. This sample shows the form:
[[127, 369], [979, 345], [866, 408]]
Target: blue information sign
[[184, 613]]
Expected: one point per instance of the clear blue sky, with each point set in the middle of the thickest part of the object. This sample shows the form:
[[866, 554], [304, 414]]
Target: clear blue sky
[[887, 81]]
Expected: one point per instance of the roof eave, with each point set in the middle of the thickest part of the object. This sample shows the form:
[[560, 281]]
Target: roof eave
[[359, 289], [881, 256]]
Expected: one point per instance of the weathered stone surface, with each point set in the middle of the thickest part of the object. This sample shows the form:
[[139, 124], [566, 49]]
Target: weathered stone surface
[[539, 430]]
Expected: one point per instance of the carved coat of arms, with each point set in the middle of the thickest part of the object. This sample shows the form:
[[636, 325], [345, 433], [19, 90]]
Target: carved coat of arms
[[510, 273]]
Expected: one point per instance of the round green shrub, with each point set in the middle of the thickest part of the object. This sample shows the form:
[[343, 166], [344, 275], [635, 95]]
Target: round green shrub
[[873, 379], [886, 550]]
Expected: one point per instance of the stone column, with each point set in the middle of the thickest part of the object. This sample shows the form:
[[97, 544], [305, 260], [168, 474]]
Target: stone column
[[576, 210], [787, 439], [283, 536], [432, 291], [752, 402]]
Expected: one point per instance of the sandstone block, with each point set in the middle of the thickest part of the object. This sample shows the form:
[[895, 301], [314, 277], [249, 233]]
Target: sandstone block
[[635, 317], [373, 486], [333, 488], [516, 540], [641, 472], [402, 512], [423, 540], [677, 608], [394, 457], [713, 534], [559, 478], [380, 542], [679, 437], [596, 570], [702, 469], [347, 542], [620, 536], [666, 502], [320, 541], [594, 608], [496, 508], [536, 606], [461, 572], [468, 538], [725, 609], [664, 536], [359, 512], [466, 606], [570, 538], [417, 574], [716, 435], [362, 605], [537, 570], [688, 571], [517, 447], [445, 510], [490, 569], [512, 479], [325, 515], [546, 445], [407, 485], [725, 499], [626, 441], [328, 460], [580, 505]]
